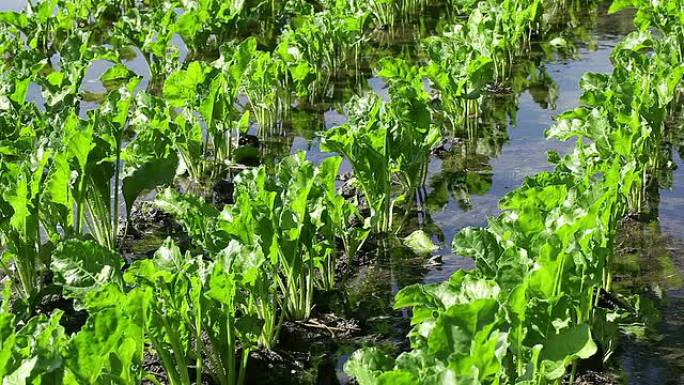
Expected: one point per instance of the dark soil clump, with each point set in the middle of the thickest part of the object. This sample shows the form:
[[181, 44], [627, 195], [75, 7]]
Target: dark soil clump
[[590, 377], [72, 320]]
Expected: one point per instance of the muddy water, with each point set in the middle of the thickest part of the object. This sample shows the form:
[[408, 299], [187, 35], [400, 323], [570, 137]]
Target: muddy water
[[464, 185]]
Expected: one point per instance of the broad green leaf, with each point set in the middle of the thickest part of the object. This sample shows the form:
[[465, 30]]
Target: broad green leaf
[[82, 266], [420, 242], [154, 173], [112, 341], [562, 348], [22, 375], [619, 5], [222, 287], [17, 19], [413, 295], [116, 74], [181, 87], [198, 217], [454, 329], [398, 377], [243, 261], [366, 365]]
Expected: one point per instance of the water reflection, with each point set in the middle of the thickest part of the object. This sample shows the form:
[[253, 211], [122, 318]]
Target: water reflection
[[13, 5], [474, 168], [651, 264]]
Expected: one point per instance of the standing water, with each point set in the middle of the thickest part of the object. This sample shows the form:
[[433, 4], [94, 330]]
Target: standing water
[[468, 178]]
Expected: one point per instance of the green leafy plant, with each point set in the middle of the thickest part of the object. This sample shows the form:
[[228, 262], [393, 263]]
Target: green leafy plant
[[101, 177], [152, 33], [528, 313], [530, 309], [383, 12], [207, 96], [203, 310], [263, 84], [280, 214], [80, 267], [461, 75], [108, 349], [285, 211], [387, 143], [320, 47]]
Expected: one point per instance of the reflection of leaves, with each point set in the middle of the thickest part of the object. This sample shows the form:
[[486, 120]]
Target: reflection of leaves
[[446, 186], [304, 123], [543, 88], [478, 183], [646, 255], [462, 174]]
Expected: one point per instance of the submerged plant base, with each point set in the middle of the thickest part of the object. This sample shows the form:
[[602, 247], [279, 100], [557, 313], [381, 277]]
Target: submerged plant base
[[590, 377], [148, 228]]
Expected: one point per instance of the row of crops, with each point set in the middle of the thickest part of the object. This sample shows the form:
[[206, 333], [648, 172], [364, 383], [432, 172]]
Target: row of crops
[[72, 174]]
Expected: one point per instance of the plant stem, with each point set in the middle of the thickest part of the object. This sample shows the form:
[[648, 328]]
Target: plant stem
[[230, 332], [114, 231], [243, 367]]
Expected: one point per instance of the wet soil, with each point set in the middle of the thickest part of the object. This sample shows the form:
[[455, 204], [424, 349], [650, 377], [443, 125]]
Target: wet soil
[[467, 177]]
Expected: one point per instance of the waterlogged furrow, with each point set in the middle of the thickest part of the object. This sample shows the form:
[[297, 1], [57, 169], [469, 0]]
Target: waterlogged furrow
[[525, 315], [533, 307], [392, 141]]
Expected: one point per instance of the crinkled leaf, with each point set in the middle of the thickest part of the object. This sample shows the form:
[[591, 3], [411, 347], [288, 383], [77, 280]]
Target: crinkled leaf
[[81, 266]]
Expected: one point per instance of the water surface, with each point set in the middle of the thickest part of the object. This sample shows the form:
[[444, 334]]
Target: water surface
[[466, 183]]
